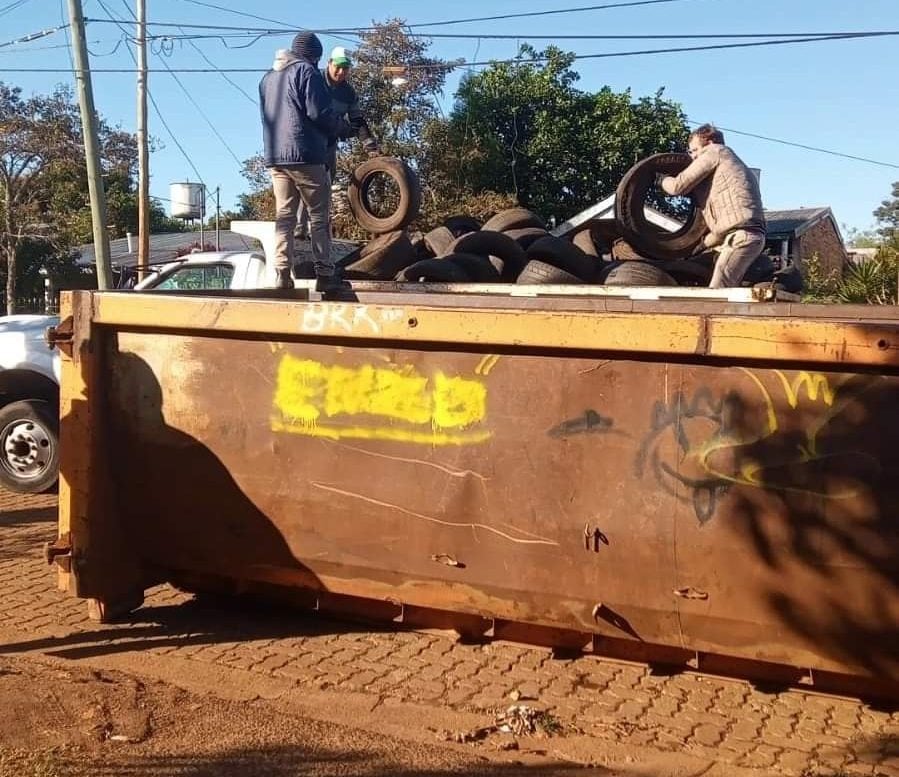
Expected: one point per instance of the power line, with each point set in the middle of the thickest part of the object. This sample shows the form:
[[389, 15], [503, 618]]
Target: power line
[[803, 146], [12, 7], [34, 36], [223, 75], [516, 60], [522, 15], [202, 113], [153, 99], [253, 16]]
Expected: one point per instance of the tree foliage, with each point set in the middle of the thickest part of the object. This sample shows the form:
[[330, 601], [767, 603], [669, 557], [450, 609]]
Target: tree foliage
[[887, 216], [44, 204], [518, 133], [525, 129]]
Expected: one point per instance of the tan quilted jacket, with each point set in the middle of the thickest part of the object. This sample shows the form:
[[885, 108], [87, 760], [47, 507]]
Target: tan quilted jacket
[[725, 190]]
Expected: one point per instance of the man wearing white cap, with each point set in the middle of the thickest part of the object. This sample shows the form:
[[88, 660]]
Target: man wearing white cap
[[345, 103]]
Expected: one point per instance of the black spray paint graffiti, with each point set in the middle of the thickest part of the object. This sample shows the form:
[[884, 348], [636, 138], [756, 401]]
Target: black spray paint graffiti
[[678, 431], [590, 422]]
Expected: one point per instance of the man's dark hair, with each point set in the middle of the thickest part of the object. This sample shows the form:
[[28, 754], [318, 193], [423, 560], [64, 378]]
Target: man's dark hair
[[708, 133]]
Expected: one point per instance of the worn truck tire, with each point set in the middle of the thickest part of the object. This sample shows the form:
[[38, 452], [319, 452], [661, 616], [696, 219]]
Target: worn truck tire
[[638, 274], [513, 218], [584, 241], [622, 251], [435, 271], [29, 446], [526, 235], [630, 198], [383, 257], [406, 182], [537, 272], [479, 268], [461, 224], [487, 243], [439, 239], [564, 255]]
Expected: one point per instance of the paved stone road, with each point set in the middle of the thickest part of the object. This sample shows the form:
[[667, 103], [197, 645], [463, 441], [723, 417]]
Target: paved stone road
[[725, 721]]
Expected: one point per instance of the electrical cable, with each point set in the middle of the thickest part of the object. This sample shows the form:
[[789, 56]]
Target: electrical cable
[[605, 6], [153, 101], [224, 75]]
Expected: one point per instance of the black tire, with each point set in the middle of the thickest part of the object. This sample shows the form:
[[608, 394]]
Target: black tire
[[383, 257], [630, 198], [479, 268], [789, 279], [406, 182], [488, 243], [435, 271], [695, 271], [526, 235], [29, 446], [564, 255], [622, 251], [460, 225], [760, 271], [513, 218], [438, 240], [638, 274], [584, 241], [537, 272]]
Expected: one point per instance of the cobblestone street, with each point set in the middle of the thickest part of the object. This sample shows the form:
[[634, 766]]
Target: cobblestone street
[[597, 702]]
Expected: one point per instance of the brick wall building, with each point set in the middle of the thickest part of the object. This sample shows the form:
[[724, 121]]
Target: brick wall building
[[802, 233]]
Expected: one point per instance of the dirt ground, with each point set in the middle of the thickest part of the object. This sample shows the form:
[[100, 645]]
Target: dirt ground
[[185, 688]]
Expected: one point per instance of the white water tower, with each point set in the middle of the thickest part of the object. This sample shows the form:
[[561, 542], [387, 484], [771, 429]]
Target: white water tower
[[188, 200]]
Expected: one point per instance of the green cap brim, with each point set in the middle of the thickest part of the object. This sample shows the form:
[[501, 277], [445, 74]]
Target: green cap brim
[[341, 61]]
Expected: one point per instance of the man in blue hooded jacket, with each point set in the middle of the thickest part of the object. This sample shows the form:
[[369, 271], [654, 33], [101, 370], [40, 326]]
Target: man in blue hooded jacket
[[299, 125]]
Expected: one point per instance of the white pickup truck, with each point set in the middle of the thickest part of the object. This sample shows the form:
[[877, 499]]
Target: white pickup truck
[[29, 368]]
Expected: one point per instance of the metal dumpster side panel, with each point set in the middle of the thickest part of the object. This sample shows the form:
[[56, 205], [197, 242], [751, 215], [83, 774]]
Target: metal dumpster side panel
[[743, 510]]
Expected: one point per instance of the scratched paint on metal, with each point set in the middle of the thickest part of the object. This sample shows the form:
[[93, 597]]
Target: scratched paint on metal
[[316, 399], [723, 509]]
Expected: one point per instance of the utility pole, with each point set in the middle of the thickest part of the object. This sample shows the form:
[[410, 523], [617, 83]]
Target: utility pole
[[218, 242], [143, 150], [91, 146]]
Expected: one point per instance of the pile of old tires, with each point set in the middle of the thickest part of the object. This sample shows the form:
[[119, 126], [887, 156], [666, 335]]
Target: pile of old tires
[[515, 246]]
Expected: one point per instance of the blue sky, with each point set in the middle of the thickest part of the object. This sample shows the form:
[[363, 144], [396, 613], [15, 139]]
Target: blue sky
[[838, 95]]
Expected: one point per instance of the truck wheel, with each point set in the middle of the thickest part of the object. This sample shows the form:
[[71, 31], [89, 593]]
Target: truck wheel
[[630, 200], [383, 257], [434, 271], [526, 235], [461, 224], [438, 240], [489, 243], [360, 194], [638, 274], [564, 255], [513, 218], [479, 268], [540, 272], [29, 447]]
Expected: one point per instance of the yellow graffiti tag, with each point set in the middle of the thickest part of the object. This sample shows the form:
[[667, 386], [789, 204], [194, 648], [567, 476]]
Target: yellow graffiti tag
[[397, 403], [814, 383], [486, 364]]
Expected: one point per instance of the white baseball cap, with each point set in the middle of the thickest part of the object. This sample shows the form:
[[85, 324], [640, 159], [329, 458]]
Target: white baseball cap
[[339, 56]]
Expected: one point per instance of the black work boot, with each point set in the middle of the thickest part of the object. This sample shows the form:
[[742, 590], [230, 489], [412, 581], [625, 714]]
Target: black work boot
[[333, 287], [283, 278]]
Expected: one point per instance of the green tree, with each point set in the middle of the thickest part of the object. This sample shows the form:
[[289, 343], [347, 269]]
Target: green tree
[[887, 216], [44, 206], [524, 128]]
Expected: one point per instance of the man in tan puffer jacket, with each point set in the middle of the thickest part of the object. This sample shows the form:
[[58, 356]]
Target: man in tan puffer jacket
[[728, 194]]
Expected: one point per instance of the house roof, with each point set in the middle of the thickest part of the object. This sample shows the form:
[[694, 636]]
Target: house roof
[[792, 223], [164, 247]]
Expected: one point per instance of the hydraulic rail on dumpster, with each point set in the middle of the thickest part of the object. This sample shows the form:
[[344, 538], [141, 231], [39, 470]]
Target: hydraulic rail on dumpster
[[697, 482]]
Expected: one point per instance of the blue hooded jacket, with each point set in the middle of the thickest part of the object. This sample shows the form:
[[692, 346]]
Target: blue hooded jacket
[[298, 120]]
